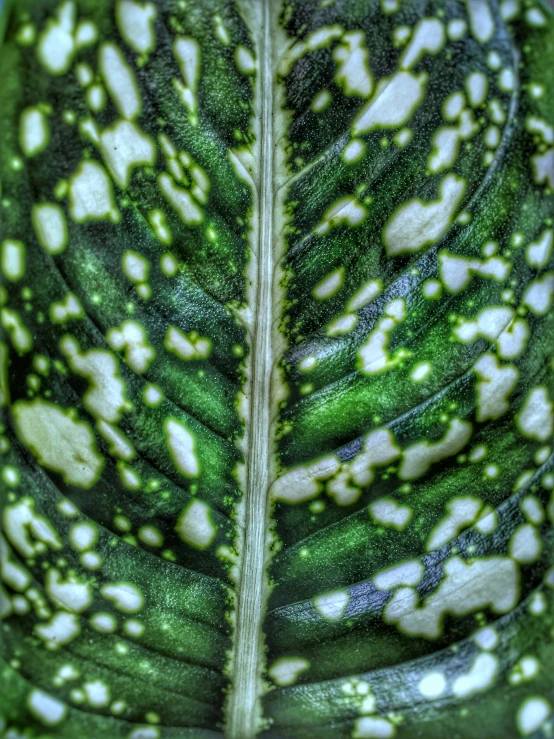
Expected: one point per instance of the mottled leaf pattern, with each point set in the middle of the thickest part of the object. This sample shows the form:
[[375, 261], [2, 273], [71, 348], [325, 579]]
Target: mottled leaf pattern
[[276, 369]]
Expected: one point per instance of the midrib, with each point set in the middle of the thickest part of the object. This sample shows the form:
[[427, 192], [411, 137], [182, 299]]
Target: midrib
[[244, 717]]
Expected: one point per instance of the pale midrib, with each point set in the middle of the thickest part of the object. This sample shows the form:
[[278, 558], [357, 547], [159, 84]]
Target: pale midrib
[[244, 719]]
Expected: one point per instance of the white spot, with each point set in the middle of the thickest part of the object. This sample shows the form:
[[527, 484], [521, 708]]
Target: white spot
[[421, 371], [496, 384], [70, 594], [285, 671], [373, 355], [104, 622], [97, 693], [244, 60], [536, 418], [539, 294], [477, 86], [62, 629], [135, 22], [48, 710], [393, 104], [486, 638], [417, 224], [538, 253], [420, 456], [481, 20], [347, 210], [389, 513], [91, 194], [195, 525], [13, 260], [353, 71], [59, 441], [432, 686], [34, 131], [120, 81], [365, 295], [56, 44], [332, 606], [125, 597], [353, 151], [480, 677], [131, 338], [50, 227], [525, 544], [370, 727], [302, 483], [462, 512], [407, 573], [124, 147], [428, 38], [532, 714], [180, 200]]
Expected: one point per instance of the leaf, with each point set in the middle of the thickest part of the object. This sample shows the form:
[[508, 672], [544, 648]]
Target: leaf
[[275, 372]]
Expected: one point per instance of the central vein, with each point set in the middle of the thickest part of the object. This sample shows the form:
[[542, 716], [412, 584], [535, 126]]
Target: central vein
[[244, 706]]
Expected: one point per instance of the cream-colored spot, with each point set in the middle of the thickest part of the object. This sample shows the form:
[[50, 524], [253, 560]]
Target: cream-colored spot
[[456, 271], [532, 714], [373, 727], [244, 60], [329, 285], [481, 676], [538, 252], [181, 200], [68, 592], [408, 573], [368, 292], [186, 51], [66, 309], [59, 441], [525, 544], [119, 444], [481, 20], [303, 482], [417, 224], [539, 295], [433, 685], [62, 629], [428, 38], [462, 512], [477, 86], [348, 211], [195, 526]]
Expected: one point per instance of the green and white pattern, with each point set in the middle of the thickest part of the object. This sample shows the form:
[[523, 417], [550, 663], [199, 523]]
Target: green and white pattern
[[276, 369]]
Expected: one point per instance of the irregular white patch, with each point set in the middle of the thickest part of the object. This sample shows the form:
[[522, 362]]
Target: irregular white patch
[[68, 593], [499, 325], [394, 102], [447, 140], [62, 629], [180, 200], [286, 671], [481, 676], [91, 194], [135, 22], [131, 338], [185, 346], [119, 444], [56, 45], [97, 693], [303, 482], [368, 292], [389, 513], [408, 573], [34, 131], [120, 81], [186, 51], [373, 355], [332, 606], [539, 295], [48, 710], [456, 271], [527, 668], [481, 20], [540, 127], [125, 597], [543, 166], [66, 309], [106, 396], [496, 384], [536, 417], [532, 714], [417, 224], [417, 459], [59, 441], [525, 544], [353, 72], [12, 260], [432, 686], [20, 337], [195, 526], [50, 227], [124, 147], [538, 252], [466, 587], [347, 210], [462, 512], [429, 37]]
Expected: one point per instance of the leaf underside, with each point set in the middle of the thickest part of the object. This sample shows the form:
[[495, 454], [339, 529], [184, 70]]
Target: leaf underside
[[276, 371]]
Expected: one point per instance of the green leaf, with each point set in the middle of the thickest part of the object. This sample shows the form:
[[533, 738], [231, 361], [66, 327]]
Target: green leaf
[[276, 369]]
